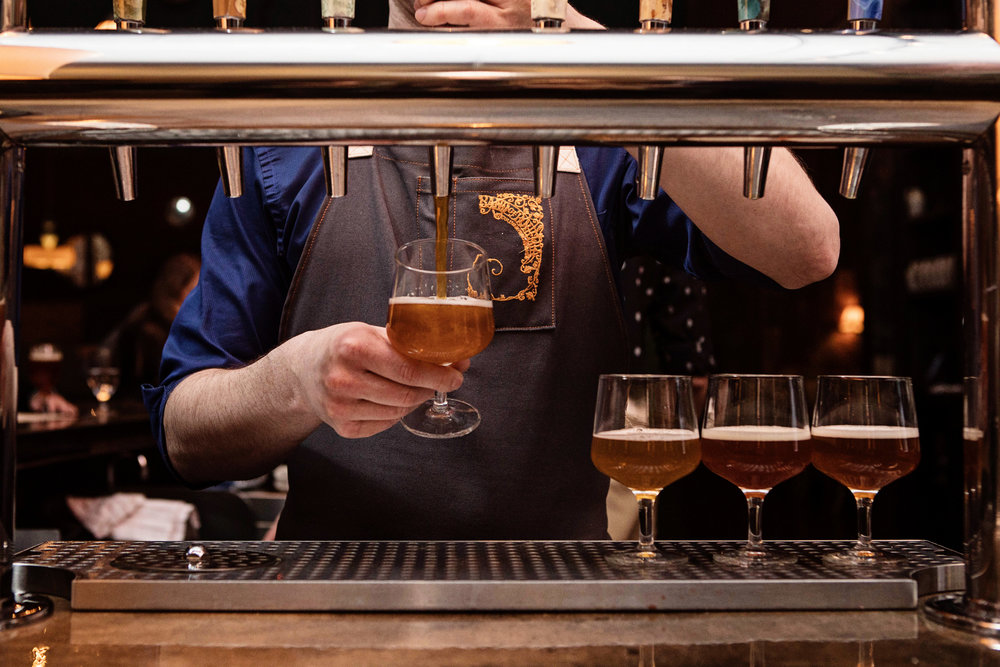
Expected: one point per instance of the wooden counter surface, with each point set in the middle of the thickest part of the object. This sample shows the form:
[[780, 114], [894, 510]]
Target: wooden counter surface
[[710, 638]]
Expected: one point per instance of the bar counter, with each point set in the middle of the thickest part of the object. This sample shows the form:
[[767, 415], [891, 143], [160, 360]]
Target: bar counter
[[705, 638]]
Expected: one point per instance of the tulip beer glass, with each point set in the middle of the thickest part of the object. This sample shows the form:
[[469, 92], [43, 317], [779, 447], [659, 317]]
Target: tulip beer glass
[[864, 436], [646, 437], [441, 316], [755, 435]]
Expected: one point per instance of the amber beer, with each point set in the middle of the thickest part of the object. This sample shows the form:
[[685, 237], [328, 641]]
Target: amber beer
[[440, 331], [44, 361], [755, 458], [865, 458], [646, 459]]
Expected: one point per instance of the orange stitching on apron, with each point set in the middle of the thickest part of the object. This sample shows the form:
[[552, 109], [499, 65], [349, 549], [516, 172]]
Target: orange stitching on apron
[[300, 269], [607, 269], [525, 214]]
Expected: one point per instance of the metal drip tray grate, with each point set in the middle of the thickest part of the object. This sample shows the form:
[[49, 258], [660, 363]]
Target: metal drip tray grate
[[513, 575]]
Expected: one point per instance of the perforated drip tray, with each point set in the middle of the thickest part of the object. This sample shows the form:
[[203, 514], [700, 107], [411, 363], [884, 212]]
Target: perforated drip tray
[[466, 576]]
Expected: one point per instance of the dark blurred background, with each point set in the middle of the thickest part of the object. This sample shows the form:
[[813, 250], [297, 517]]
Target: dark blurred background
[[899, 267]]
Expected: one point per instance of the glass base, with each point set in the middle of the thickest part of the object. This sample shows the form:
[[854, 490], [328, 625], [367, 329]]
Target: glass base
[[760, 557], [644, 560], [458, 419], [863, 558], [27, 609]]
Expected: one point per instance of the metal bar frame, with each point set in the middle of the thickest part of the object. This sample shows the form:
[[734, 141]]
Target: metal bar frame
[[795, 89]]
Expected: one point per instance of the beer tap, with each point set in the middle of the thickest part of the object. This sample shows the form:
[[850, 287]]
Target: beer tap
[[130, 15], [863, 15], [548, 16], [230, 15], [440, 170], [654, 17], [754, 15], [337, 15]]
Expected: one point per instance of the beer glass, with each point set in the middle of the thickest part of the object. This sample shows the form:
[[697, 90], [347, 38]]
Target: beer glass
[[44, 360], [441, 316], [646, 437], [864, 436], [755, 435]]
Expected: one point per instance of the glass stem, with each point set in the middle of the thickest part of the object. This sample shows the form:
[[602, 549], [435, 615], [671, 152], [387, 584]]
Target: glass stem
[[864, 524], [440, 402], [755, 516], [646, 524]]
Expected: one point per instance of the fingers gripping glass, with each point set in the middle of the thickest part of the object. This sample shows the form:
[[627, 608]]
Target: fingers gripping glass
[[646, 437], [755, 435], [441, 312], [865, 436]]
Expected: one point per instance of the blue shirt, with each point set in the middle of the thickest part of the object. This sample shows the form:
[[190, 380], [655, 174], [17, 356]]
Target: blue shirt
[[251, 246]]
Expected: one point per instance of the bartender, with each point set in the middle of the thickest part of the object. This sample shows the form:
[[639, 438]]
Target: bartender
[[280, 353]]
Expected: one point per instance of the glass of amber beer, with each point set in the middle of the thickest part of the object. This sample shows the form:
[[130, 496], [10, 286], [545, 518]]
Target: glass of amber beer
[[646, 437], [441, 312], [865, 436], [755, 435]]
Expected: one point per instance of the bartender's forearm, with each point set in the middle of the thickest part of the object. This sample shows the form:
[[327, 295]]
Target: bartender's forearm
[[791, 234], [235, 424]]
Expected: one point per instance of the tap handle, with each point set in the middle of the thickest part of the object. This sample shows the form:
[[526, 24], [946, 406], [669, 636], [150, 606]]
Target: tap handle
[[229, 13], [548, 13], [656, 13], [130, 13], [860, 10], [337, 13], [754, 14]]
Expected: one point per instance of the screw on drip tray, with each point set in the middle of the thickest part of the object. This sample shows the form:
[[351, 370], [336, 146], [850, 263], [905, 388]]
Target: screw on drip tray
[[197, 557]]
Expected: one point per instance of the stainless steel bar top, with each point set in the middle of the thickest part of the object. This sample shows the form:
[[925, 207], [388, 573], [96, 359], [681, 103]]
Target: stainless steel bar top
[[515, 87], [467, 576]]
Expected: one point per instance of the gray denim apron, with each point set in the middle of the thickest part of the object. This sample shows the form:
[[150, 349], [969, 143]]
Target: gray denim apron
[[525, 473]]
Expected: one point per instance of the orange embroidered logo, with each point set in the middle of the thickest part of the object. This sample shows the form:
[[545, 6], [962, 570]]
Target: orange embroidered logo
[[525, 214]]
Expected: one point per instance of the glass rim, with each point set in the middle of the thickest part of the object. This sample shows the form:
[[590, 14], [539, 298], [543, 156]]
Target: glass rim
[[906, 378], [790, 376], [643, 376], [424, 241]]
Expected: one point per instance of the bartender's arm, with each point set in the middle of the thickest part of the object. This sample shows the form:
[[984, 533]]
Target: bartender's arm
[[241, 423], [791, 235]]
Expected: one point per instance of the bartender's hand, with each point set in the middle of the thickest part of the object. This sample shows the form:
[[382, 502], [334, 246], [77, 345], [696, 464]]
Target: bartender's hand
[[352, 378], [487, 14], [240, 423]]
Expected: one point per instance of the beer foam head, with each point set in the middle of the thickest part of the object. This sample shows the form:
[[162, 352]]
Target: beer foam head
[[859, 431], [45, 353], [643, 434], [447, 301], [752, 433]]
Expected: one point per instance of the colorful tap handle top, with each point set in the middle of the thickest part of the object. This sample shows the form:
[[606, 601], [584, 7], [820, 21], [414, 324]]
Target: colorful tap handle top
[[864, 9], [130, 10], [338, 9], [754, 10], [231, 9], [656, 10], [548, 9]]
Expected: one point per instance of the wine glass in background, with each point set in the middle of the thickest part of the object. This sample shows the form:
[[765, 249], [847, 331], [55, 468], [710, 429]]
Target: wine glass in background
[[103, 376], [865, 436], [755, 435], [645, 437], [441, 316]]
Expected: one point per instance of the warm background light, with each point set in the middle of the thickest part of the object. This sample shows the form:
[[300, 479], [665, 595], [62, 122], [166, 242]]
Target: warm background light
[[852, 319]]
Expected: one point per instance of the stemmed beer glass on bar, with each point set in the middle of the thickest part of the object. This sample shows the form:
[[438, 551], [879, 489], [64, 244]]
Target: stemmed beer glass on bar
[[755, 435], [865, 436], [441, 312], [646, 437]]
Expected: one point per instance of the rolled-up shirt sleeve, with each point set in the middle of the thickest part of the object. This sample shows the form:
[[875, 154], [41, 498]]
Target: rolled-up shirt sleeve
[[658, 228], [232, 316]]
